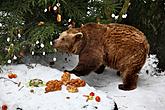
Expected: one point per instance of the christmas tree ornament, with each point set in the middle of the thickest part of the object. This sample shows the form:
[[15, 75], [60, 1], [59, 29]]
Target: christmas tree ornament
[[8, 39], [37, 42], [9, 61], [116, 17], [69, 20], [42, 45], [58, 18], [14, 57], [41, 23], [129, 4], [55, 50], [0, 24], [58, 4], [51, 43], [55, 8], [45, 10], [113, 15], [43, 53], [19, 35], [124, 15], [54, 59], [32, 52]]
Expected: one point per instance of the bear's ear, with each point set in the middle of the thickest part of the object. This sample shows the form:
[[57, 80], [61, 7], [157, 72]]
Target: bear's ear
[[79, 35]]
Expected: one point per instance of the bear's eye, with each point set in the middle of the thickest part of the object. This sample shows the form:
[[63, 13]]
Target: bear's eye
[[62, 39]]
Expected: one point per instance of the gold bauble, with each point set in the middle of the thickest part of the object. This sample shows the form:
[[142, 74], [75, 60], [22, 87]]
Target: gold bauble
[[41, 23], [58, 18]]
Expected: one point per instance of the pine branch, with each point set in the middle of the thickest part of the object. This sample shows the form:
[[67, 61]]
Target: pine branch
[[124, 9]]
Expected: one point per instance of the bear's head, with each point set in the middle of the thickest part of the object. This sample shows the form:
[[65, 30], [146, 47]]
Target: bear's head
[[70, 41]]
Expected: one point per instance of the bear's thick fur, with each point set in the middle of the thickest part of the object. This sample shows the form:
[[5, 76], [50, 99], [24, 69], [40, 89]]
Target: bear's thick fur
[[118, 46]]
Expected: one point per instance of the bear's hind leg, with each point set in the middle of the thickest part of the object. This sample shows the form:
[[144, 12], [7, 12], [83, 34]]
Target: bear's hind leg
[[129, 81], [100, 69]]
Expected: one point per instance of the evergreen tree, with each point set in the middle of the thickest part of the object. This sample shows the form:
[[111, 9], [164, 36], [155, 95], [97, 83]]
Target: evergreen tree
[[149, 17], [29, 26]]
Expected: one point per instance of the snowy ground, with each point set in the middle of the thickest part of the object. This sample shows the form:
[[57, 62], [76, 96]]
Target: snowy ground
[[149, 94], [20, 98]]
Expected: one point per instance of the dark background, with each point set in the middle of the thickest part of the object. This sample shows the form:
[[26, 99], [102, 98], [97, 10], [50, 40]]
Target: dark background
[[149, 17]]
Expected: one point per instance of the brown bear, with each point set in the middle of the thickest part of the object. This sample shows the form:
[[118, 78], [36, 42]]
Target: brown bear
[[118, 46]]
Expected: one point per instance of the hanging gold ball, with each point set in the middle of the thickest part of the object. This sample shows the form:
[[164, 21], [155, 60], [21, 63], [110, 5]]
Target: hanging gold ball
[[41, 23], [58, 18], [49, 8]]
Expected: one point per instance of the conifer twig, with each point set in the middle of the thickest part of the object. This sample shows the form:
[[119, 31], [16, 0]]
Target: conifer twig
[[124, 9]]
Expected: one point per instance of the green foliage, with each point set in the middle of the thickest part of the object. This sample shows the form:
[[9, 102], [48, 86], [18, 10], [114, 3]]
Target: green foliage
[[31, 25], [44, 34], [102, 10], [149, 17]]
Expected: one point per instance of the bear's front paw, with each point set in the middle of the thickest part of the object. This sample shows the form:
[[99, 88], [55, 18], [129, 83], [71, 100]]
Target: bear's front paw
[[67, 71], [100, 69], [78, 74], [74, 72], [126, 87]]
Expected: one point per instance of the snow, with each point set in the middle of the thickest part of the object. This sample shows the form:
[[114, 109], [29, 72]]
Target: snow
[[21, 97], [149, 95]]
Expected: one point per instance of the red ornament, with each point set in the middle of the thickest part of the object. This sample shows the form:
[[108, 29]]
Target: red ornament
[[4, 107], [92, 94], [98, 99]]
